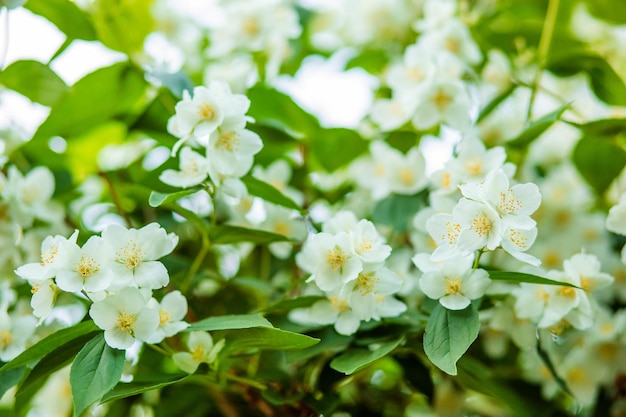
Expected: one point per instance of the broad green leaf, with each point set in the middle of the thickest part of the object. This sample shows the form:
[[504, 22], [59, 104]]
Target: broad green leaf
[[448, 335], [336, 147], [605, 82], [123, 389], [398, 210], [123, 24], [225, 234], [48, 344], [536, 128], [371, 60], [96, 98], [10, 378], [511, 276], [158, 199], [55, 360], [266, 338], [291, 303], [355, 359], [599, 160], [95, 371], [612, 11], [272, 108], [65, 15], [495, 102], [35, 81], [602, 127], [402, 140], [268, 192], [235, 321], [330, 341]]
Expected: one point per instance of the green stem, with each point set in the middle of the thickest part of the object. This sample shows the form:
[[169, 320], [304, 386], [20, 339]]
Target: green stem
[[477, 260], [246, 381], [197, 262], [542, 50], [159, 349]]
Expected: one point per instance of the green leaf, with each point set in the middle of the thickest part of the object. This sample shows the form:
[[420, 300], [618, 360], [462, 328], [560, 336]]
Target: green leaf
[[35, 81], [10, 378], [96, 98], [11, 4], [612, 11], [605, 82], [599, 160], [49, 343], [268, 193], [270, 107], [266, 338], [371, 60], [536, 128], [55, 360], [602, 127], [402, 140], [398, 210], [448, 335], [123, 25], [336, 147], [356, 359], [518, 277], [123, 389], [330, 341], [226, 234], [292, 303], [65, 15], [230, 322], [95, 371], [158, 199]]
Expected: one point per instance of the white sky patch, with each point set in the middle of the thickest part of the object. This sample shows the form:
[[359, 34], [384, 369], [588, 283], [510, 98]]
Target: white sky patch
[[438, 150], [323, 88], [30, 37]]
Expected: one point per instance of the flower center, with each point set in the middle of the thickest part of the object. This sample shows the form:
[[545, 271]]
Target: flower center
[[567, 292], [336, 258], [406, 176], [87, 267], [164, 317], [481, 225], [206, 111], [474, 167], [508, 203], [197, 353], [441, 100], [282, 228], [126, 322], [227, 141], [366, 284], [5, 338], [452, 232], [47, 257], [338, 304], [453, 285], [518, 239], [131, 256]]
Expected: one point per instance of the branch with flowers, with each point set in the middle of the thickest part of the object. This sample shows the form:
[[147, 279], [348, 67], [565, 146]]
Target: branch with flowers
[[179, 236]]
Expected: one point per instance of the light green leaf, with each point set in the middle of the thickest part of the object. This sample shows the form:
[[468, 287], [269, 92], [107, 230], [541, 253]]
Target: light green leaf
[[266, 338], [268, 192], [291, 303], [158, 199], [96, 98], [356, 359], [226, 234], [536, 128], [49, 343], [371, 60], [398, 210], [612, 11], [10, 378], [123, 25], [123, 389], [65, 15], [448, 335], [35, 81], [95, 371], [230, 322], [336, 147], [511, 276], [270, 107], [599, 160]]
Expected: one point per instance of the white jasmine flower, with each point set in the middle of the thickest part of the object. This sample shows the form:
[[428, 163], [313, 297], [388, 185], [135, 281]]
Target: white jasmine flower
[[342, 221], [368, 244], [335, 310], [193, 170], [455, 283], [135, 253], [172, 310], [200, 115], [585, 269], [481, 227], [390, 114], [454, 37], [474, 161], [201, 350], [444, 231], [368, 290], [232, 148], [444, 102], [14, 334], [53, 253], [85, 268], [44, 294], [125, 317], [616, 219], [286, 222]]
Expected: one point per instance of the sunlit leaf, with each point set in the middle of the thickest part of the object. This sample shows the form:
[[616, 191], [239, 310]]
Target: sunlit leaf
[[269, 193], [35, 81], [266, 338], [512, 276], [128, 389], [225, 234], [123, 25], [355, 359], [95, 371], [158, 199], [536, 128], [229, 322], [448, 335], [66, 15], [336, 147], [599, 160]]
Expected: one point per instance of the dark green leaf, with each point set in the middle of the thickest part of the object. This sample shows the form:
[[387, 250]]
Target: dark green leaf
[[263, 338], [599, 160], [66, 15], [545, 358], [158, 199], [612, 11], [10, 378], [235, 321], [95, 371], [518, 277], [330, 341], [35, 81], [96, 98], [448, 335], [536, 128], [123, 25], [355, 359], [272, 108], [48, 344], [602, 127], [397, 210], [268, 193], [225, 234], [292, 303], [336, 147], [123, 389], [402, 140]]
